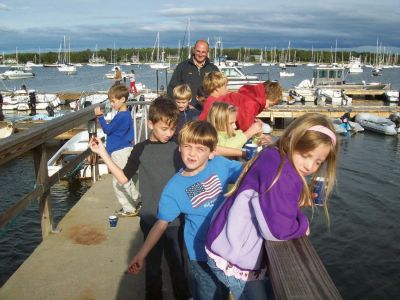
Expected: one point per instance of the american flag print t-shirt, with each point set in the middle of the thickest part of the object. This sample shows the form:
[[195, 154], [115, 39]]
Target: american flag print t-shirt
[[203, 192]]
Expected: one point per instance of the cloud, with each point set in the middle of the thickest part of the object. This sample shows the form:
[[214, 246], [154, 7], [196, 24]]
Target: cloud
[[352, 23], [3, 6]]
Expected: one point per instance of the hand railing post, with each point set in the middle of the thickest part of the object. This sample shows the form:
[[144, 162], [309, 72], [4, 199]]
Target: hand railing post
[[40, 163], [94, 166]]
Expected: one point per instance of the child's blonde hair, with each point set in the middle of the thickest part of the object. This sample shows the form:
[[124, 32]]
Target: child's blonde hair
[[199, 132], [214, 80], [163, 109], [218, 116], [182, 92], [298, 137], [118, 91], [273, 92]]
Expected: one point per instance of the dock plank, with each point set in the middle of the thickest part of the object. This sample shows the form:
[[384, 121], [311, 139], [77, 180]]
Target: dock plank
[[87, 259]]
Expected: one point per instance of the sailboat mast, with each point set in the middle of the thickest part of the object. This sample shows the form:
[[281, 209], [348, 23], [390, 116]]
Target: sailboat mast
[[188, 29]]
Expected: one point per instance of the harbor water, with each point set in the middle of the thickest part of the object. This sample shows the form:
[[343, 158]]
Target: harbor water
[[360, 249]]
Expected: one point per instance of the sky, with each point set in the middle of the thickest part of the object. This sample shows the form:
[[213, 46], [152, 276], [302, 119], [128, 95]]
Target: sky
[[352, 24]]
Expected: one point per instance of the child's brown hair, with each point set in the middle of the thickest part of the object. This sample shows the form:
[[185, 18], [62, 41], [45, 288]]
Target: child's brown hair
[[163, 109], [273, 92], [118, 91], [199, 132]]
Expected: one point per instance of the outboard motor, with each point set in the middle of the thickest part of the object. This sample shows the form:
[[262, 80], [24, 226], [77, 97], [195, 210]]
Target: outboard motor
[[86, 104], [395, 118], [50, 110], [32, 103]]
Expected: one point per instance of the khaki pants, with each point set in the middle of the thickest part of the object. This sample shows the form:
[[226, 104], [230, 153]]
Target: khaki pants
[[127, 194]]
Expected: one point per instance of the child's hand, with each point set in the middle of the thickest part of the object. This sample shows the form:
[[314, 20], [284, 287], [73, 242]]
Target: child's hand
[[254, 129], [264, 140], [98, 112], [136, 265], [96, 145]]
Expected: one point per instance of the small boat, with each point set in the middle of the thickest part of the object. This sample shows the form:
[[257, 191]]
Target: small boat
[[68, 69], [236, 78], [377, 72], [86, 100], [331, 96], [346, 127], [355, 65], [333, 77], [6, 129], [73, 147], [17, 72], [392, 96], [377, 124], [286, 74], [22, 100]]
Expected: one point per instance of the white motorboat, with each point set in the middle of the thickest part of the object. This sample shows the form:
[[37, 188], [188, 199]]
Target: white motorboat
[[392, 96], [73, 147], [68, 69], [85, 100], [354, 65], [17, 72], [377, 124], [331, 96], [22, 100], [236, 78], [286, 74], [333, 78]]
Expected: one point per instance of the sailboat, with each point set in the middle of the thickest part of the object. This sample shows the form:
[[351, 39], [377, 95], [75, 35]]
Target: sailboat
[[96, 61], [65, 66], [160, 64], [312, 61]]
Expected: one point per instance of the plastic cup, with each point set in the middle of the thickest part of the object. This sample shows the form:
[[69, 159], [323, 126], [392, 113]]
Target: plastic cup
[[318, 189], [113, 220], [251, 150]]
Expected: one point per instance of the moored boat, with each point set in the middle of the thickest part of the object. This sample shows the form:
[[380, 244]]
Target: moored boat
[[73, 147], [236, 78], [17, 72], [377, 124]]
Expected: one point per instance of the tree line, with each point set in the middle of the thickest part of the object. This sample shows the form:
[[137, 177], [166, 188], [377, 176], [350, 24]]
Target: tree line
[[176, 55]]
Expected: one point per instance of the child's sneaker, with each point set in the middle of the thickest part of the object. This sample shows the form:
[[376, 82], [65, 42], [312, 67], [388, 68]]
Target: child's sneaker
[[122, 213]]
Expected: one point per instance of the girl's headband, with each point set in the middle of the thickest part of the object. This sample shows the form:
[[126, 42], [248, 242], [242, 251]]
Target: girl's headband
[[325, 131]]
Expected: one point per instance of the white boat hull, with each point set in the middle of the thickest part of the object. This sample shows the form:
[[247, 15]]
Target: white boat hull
[[376, 124]]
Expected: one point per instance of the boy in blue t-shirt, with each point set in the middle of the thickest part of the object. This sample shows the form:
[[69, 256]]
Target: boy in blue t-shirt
[[195, 191], [119, 145]]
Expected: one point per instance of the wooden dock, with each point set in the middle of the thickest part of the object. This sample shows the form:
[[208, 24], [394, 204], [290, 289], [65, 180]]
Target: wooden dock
[[294, 111], [87, 259]]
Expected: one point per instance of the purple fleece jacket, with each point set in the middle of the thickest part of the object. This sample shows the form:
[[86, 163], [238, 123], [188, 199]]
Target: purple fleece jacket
[[252, 214]]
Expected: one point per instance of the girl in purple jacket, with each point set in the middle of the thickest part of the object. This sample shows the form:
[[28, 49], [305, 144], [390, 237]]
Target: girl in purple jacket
[[265, 204]]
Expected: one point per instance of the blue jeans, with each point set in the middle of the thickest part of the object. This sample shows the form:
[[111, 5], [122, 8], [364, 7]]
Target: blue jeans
[[205, 285], [170, 245], [243, 290]]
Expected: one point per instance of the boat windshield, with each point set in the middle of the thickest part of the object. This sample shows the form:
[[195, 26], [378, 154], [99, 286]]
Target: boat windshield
[[231, 72]]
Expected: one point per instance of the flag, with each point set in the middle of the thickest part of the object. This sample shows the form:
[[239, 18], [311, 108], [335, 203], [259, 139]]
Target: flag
[[201, 192]]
